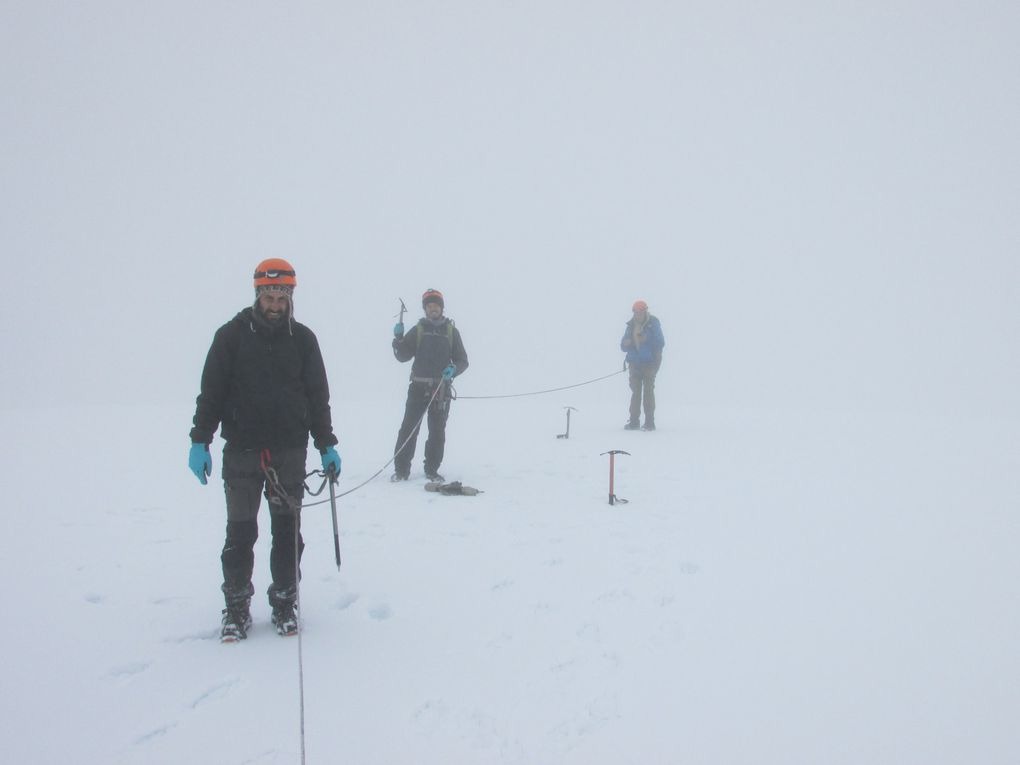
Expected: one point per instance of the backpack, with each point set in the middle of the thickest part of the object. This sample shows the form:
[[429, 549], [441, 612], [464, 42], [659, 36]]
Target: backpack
[[449, 334]]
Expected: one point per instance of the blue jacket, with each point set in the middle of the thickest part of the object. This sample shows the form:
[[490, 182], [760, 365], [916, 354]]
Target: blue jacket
[[648, 349]]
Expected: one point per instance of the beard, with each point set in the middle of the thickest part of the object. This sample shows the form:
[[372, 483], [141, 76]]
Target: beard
[[272, 317]]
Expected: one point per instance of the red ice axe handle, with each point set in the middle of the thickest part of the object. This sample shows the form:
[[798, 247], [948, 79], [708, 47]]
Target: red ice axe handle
[[613, 499]]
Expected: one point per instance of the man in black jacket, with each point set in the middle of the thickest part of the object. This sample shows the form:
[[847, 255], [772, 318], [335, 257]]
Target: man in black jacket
[[438, 352], [264, 383]]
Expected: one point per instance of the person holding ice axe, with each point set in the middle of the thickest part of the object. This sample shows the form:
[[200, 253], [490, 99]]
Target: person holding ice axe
[[438, 352]]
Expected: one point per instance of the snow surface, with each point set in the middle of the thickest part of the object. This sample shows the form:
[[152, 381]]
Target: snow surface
[[817, 563], [779, 588]]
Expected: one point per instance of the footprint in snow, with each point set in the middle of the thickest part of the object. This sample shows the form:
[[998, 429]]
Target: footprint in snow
[[129, 670], [215, 692], [380, 613], [162, 601], [155, 733], [190, 637], [346, 601]]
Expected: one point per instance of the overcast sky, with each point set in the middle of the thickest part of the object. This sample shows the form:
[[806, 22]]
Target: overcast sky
[[818, 200]]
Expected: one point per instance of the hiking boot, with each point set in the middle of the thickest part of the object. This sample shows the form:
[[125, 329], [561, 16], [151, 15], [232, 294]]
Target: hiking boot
[[236, 623], [648, 426], [434, 476], [632, 426], [285, 618], [398, 477]]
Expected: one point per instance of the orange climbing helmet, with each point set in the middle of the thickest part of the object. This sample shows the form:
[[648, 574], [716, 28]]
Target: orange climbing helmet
[[275, 272]]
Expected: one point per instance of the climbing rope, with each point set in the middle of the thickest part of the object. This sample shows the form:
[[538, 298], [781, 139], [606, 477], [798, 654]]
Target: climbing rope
[[417, 425], [389, 462], [278, 495], [550, 390]]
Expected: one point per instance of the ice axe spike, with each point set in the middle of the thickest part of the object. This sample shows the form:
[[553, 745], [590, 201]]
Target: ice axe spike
[[613, 499], [567, 434]]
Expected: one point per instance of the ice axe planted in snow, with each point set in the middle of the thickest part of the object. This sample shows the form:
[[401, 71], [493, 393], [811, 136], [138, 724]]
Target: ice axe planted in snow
[[613, 499], [567, 434]]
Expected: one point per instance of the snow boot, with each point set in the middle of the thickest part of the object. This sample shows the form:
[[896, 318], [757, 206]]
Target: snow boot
[[285, 618], [398, 477], [434, 476], [632, 425], [236, 622], [283, 601]]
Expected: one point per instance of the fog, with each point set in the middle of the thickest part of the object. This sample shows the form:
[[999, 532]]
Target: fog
[[820, 203]]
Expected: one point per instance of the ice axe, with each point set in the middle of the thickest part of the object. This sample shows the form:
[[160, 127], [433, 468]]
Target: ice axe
[[567, 434], [613, 499], [331, 477], [403, 310]]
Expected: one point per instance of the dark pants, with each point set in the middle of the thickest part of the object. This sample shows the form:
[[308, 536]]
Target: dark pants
[[642, 385], [418, 395], [244, 484]]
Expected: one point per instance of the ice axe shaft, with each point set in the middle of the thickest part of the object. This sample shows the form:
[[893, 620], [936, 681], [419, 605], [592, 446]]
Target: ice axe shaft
[[331, 476], [567, 434], [613, 499]]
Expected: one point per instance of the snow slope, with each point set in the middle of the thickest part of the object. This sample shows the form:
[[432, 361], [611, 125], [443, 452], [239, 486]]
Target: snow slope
[[779, 588]]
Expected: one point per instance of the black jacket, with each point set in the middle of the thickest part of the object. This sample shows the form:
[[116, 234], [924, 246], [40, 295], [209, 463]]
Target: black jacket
[[266, 385], [433, 347]]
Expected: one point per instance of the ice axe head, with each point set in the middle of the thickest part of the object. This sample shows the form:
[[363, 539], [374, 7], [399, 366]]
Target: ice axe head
[[567, 434]]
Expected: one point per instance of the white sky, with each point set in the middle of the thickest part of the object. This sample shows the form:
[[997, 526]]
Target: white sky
[[819, 201]]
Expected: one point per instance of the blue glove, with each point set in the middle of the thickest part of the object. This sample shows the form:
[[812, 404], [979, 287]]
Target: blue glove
[[449, 372], [200, 462], [398, 329], [331, 460]]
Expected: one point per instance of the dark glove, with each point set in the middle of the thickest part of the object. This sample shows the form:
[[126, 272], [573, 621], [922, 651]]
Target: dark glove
[[200, 462], [449, 372], [331, 461], [398, 329]]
